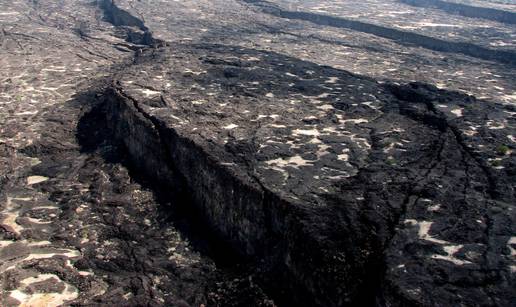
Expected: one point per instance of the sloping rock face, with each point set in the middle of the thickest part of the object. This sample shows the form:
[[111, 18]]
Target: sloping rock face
[[344, 189]]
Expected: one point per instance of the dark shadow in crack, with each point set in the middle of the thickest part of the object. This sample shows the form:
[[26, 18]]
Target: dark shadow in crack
[[234, 274], [466, 10], [335, 41], [93, 135]]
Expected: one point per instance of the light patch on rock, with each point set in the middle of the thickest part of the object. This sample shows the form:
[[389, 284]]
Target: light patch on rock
[[312, 132], [470, 132], [450, 251], [62, 252], [432, 24], [277, 126], [457, 112], [343, 157], [325, 107], [434, 207], [10, 215], [370, 104], [449, 248], [37, 221], [10, 222], [360, 142], [329, 129], [53, 70], [149, 93], [322, 150], [392, 146], [52, 299], [424, 229], [495, 125], [273, 116], [36, 179], [230, 126], [354, 121], [5, 243], [310, 118], [509, 98], [189, 71], [512, 241], [331, 80], [295, 161]]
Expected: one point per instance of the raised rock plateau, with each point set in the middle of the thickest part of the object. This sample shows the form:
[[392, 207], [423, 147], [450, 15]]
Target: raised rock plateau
[[257, 153]]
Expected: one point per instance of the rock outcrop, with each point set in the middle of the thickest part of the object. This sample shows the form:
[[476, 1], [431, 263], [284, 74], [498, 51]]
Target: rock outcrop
[[338, 186], [255, 153]]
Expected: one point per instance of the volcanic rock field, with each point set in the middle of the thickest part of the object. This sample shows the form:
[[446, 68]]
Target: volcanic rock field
[[257, 153]]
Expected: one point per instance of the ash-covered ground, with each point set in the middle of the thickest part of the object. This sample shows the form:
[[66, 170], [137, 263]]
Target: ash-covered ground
[[257, 153]]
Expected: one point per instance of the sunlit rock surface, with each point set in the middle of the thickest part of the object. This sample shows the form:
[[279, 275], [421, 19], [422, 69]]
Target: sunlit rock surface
[[256, 153], [285, 156], [75, 228], [258, 24]]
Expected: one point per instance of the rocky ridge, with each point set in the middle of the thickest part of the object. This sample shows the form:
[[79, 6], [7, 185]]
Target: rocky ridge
[[328, 190], [332, 186]]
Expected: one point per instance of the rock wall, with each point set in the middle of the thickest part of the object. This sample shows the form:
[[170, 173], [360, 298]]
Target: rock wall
[[256, 222]]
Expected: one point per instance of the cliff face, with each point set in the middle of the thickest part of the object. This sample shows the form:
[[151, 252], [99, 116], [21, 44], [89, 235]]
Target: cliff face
[[335, 206]]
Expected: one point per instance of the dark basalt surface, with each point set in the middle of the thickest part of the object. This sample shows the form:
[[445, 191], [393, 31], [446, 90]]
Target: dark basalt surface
[[466, 10], [346, 186], [404, 37], [76, 226], [141, 169]]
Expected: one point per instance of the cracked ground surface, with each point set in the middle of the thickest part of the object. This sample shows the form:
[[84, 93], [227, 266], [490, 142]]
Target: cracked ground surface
[[412, 184], [73, 227]]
